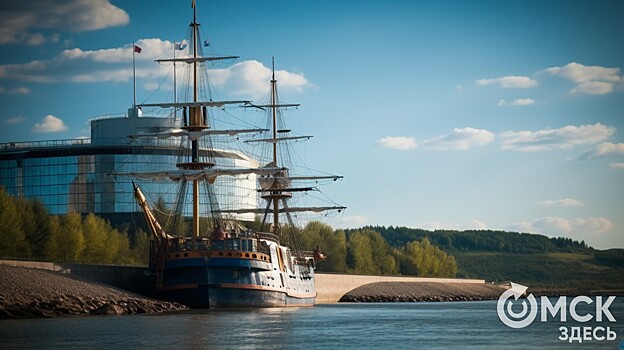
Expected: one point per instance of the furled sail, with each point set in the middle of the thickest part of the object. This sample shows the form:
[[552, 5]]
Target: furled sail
[[281, 210], [209, 175], [194, 135]]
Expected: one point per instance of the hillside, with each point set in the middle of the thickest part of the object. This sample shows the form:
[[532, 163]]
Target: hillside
[[530, 259]]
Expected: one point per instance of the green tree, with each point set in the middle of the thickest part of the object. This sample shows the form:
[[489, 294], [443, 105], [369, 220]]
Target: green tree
[[95, 239], [141, 247], [119, 247], [36, 225], [335, 249], [13, 241], [382, 254], [360, 254], [52, 247], [71, 241], [423, 259], [332, 244]]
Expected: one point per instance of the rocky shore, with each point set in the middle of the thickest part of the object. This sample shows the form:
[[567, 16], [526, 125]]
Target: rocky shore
[[422, 291], [33, 293]]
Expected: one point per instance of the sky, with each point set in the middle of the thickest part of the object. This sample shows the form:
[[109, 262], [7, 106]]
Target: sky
[[502, 115]]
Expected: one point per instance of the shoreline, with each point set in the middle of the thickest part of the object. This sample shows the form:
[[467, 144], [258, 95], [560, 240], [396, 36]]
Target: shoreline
[[421, 292], [34, 293], [27, 293], [387, 292]]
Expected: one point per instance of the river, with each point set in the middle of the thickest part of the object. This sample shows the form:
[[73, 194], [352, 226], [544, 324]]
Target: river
[[446, 325]]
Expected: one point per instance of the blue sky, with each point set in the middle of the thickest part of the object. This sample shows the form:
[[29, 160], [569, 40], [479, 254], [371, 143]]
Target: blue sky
[[447, 114]]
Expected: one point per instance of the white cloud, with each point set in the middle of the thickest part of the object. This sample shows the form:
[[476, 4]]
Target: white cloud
[[459, 139], [50, 123], [617, 165], [579, 228], [566, 202], [552, 139], [516, 102], [604, 150], [595, 80], [512, 81], [19, 18], [251, 78], [16, 120], [248, 78], [398, 142], [593, 88], [17, 91], [104, 65]]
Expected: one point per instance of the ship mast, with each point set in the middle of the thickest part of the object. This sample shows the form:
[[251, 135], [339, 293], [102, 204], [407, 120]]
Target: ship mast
[[194, 122], [274, 115]]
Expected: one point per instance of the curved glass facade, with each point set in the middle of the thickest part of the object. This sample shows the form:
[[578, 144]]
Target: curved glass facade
[[80, 175]]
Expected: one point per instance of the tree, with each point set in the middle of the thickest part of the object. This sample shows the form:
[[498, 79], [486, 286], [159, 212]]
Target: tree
[[332, 244], [118, 247], [423, 259], [141, 247], [382, 254], [335, 249], [360, 254], [71, 241], [95, 234], [36, 225], [13, 242], [52, 249]]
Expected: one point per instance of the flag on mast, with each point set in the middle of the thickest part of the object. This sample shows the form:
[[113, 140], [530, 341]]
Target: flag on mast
[[180, 46], [137, 49]]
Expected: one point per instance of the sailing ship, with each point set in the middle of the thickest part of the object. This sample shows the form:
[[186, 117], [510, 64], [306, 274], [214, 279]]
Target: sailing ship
[[224, 262]]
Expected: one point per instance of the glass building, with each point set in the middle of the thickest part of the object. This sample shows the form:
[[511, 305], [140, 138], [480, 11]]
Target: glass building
[[80, 175]]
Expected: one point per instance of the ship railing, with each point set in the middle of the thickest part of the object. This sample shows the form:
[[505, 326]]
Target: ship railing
[[268, 236]]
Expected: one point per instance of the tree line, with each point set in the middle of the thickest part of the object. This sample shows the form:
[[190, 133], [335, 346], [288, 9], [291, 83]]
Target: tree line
[[28, 231], [366, 251], [482, 240]]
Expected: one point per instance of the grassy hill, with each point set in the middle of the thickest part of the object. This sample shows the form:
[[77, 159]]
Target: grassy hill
[[534, 260]]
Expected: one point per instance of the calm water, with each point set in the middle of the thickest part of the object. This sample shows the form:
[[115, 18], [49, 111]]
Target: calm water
[[456, 325]]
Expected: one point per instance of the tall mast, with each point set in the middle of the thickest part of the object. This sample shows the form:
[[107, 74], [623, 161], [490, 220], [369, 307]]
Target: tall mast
[[274, 115], [175, 97], [194, 122]]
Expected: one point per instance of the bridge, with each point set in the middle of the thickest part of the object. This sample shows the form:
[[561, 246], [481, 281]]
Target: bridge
[[330, 287]]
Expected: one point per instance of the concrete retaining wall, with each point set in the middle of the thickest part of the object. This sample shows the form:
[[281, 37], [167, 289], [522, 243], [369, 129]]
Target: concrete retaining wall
[[331, 287]]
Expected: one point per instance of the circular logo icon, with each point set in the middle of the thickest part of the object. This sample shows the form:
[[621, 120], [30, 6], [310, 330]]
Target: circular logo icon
[[512, 318]]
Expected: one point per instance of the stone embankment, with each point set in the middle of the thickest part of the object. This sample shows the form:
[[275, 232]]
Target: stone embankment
[[422, 291], [33, 293]]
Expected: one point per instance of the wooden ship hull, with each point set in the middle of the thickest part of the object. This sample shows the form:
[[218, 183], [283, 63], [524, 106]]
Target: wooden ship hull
[[234, 272]]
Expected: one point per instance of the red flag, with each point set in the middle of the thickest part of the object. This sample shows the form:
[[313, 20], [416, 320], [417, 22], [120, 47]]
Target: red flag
[[137, 49]]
